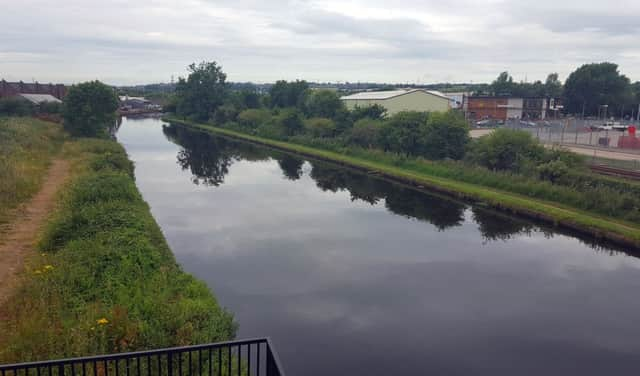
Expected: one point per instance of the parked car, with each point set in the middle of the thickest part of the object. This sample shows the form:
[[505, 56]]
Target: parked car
[[527, 123], [487, 123], [610, 126]]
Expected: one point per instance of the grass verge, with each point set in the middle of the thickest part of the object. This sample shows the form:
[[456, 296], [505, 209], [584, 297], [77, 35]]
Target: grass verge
[[27, 147], [105, 279], [426, 175]]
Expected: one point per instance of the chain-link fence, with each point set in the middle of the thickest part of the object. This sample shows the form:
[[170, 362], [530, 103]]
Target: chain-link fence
[[590, 133]]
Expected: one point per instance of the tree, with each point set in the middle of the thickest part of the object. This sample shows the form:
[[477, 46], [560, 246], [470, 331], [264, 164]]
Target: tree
[[90, 109], [503, 84], [446, 135], [552, 86], [323, 103], [401, 133], [375, 111], [288, 94], [202, 92], [593, 85]]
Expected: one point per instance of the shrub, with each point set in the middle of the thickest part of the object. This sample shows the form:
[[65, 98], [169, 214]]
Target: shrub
[[506, 150], [366, 132], [253, 118], [446, 135], [402, 132], [320, 127], [290, 121], [16, 106]]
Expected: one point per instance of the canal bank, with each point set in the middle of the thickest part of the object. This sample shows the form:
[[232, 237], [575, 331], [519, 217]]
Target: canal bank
[[98, 276], [622, 233]]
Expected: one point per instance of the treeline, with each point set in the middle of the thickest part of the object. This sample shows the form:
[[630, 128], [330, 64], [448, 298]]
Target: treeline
[[509, 160], [291, 110], [586, 91]]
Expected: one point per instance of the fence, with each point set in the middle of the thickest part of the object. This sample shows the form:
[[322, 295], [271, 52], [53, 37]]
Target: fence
[[243, 358], [573, 131]]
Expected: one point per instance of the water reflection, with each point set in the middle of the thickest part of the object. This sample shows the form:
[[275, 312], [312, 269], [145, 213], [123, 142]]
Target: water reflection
[[209, 159]]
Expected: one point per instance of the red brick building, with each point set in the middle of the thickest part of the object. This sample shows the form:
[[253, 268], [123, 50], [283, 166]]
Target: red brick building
[[10, 89]]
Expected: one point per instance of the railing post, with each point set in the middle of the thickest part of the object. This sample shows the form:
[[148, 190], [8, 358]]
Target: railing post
[[272, 367], [169, 364]]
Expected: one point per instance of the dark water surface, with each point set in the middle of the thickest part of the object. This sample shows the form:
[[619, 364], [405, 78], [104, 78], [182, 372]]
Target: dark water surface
[[350, 275]]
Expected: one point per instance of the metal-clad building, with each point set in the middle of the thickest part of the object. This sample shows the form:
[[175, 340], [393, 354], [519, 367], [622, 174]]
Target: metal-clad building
[[395, 101]]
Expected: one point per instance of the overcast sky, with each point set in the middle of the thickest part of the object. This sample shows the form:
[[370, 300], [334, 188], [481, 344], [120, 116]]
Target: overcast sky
[[416, 41]]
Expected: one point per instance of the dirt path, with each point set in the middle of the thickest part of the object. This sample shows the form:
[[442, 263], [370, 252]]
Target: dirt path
[[20, 238]]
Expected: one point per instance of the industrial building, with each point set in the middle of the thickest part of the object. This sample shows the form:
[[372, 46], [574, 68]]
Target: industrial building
[[395, 101], [503, 108], [13, 89]]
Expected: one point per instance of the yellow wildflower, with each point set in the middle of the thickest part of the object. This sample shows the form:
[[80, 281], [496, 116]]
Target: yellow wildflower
[[102, 321], [37, 272], [48, 267]]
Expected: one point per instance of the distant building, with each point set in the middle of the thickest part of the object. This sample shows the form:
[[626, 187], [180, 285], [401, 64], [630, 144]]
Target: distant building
[[503, 108], [134, 103], [12, 89], [38, 99], [395, 101]]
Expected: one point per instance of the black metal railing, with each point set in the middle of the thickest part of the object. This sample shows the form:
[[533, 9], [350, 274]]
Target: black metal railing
[[234, 358]]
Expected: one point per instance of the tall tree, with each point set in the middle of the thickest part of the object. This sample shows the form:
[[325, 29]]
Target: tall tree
[[90, 109], [503, 84], [595, 85], [202, 92], [552, 86], [323, 103], [288, 94]]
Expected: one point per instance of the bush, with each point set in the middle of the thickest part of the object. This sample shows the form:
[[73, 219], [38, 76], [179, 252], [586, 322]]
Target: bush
[[366, 132], [16, 106], [446, 135], [289, 121], [253, 118], [375, 111], [403, 132], [506, 150], [225, 113], [50, 108], [320, 127]]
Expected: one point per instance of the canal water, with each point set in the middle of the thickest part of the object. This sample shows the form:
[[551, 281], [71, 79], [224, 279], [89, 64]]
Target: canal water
[[351, 275]]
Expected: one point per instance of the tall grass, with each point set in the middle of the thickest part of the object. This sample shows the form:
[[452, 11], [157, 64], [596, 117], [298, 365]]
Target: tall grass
[[105, 280], [26, 148]]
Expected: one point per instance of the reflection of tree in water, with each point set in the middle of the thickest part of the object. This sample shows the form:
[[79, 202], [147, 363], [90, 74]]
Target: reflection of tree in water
[[291, 166], [495, 226], [440, 212], [209, 157], [361, 187]]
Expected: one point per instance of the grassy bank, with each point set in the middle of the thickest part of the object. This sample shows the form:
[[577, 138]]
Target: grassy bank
[[104, 279], [27, 147], [552, 204]]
